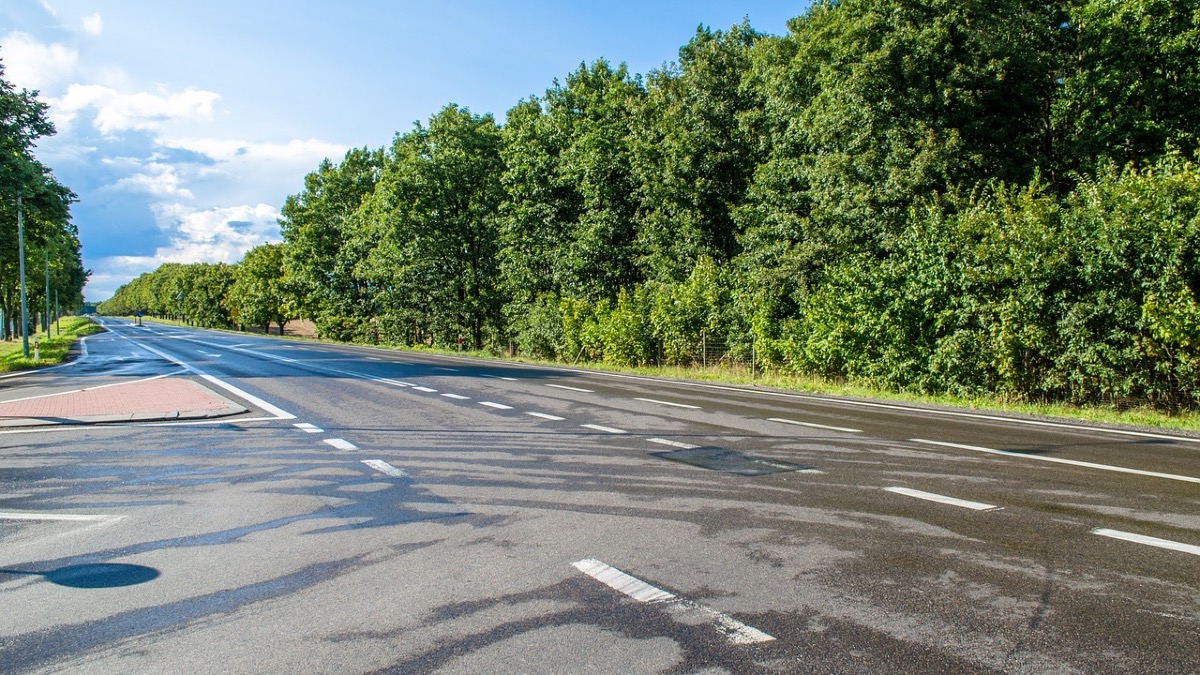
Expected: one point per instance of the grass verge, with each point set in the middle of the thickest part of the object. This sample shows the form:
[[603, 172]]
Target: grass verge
[[51, 351]]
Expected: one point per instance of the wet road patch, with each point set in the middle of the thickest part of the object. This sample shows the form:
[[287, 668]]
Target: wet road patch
[[731, 461]]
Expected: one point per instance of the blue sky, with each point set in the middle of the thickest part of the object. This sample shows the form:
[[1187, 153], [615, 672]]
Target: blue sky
[[182, 126]]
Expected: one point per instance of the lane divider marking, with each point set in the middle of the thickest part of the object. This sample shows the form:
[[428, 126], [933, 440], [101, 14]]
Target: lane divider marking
[[309, 428], [814, 425], [457, 397], [607, 430], [735, 631], [500, 377], [674, 405], [65, 517], [563, 386], [385, 468], [1058, 460], [341, 444], [497, 406], [673, 444], [942, 499], [553, 418], [1149, 541], [278, 412], [427, 390], [448, 370]]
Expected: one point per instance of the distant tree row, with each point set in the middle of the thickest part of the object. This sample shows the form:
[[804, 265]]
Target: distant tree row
[[961, 196], [50, 236]]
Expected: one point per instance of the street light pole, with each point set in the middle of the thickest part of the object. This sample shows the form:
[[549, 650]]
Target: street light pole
[[47, 293], [24, 297]]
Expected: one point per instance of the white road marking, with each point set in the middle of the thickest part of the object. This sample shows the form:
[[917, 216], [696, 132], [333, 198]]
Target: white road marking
[[247, 396], [448, 370], [497, 406], [99, 386], [673, 444], [385, 468], [554, 418], [500, 377], [735, 631], [605, 429], [212, 356], [942, 499], [457, 397], [341, 444], [394, 383], [815, 426], [1149, 541], [427, 390], [1059, 460], [674, 405], [563, 386], [308, 428], [70, 517]]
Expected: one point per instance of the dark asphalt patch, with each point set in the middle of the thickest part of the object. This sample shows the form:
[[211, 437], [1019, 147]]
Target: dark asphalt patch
[[730, 461]]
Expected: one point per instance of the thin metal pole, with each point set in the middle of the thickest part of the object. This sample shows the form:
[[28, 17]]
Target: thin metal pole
[[24, 297], [47, 293]]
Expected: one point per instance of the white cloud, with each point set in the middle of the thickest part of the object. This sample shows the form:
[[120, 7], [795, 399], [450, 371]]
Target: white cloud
[[144, 111], [308, 152], [219, 234], [160, 180], [93, 24], [49, 10], [31, 64]]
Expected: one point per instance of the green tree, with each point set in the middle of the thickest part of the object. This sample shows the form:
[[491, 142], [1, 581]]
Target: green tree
[[260, 293]]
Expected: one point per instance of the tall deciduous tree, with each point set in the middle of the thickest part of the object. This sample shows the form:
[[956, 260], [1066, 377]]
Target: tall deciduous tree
[[261, 291]]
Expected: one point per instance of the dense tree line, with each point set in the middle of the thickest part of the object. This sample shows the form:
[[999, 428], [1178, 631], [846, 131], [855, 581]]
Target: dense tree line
[[51, 239], [960, 196]]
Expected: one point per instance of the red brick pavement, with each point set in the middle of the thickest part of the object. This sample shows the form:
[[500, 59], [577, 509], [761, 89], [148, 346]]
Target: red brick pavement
[[163, 398]]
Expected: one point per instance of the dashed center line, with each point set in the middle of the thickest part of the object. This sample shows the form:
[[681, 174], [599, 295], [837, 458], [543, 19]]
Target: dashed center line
[[457, 397], [735, 631], [1059, 460], [813, 425], [341, 444], [673, 444], [545, 416], [942, 499], [427, 390], [308, 428], [385, 468], [500, 377], [1149, 541], [607, 430], [497, 406], [563, 386], [673, 405]]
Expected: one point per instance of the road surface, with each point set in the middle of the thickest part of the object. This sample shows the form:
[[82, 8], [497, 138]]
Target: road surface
[[322, 508]]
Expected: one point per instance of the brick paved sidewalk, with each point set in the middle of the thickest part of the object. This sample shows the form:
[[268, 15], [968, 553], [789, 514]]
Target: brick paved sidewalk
[[165, 398]]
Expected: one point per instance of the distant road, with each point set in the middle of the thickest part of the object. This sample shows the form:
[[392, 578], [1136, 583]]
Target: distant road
[[380, 511]]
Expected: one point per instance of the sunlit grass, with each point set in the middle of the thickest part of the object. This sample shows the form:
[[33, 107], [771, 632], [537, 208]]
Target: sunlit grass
[[51, 351]]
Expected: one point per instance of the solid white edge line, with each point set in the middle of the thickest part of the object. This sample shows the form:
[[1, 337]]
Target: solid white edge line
[[545, 416], [563, 386], [814, 425], [341, 444], [1058, 460], [385, 468], [673, 405], [66, 517], [942, 499], [673, 444], [735, 631], [1149, 541], [599, 427], [278, 412], [497, 406]]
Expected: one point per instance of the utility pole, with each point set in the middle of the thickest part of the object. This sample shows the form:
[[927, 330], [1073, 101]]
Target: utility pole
[[24, 297], [47, 293]]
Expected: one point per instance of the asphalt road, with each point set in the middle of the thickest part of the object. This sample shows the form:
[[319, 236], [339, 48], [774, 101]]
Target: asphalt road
[[378, 511]]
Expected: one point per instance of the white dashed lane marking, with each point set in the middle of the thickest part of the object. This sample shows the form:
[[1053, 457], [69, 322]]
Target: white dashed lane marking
[[563, 386], [457, 397], [497, 406], [427, 390], [385, 468], [607, 430], [341, 444], [942, 499], [813, 425], [308, 428], [554, 418], [673, 444], [735, 631], [673, 405], [1148, 541]]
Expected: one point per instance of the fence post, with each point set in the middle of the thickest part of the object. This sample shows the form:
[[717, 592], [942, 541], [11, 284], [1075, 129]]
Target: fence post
[[704, 348], [753, 357]]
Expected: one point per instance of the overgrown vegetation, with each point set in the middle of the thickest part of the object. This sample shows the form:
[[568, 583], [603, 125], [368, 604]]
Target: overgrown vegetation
[[968, 198]]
